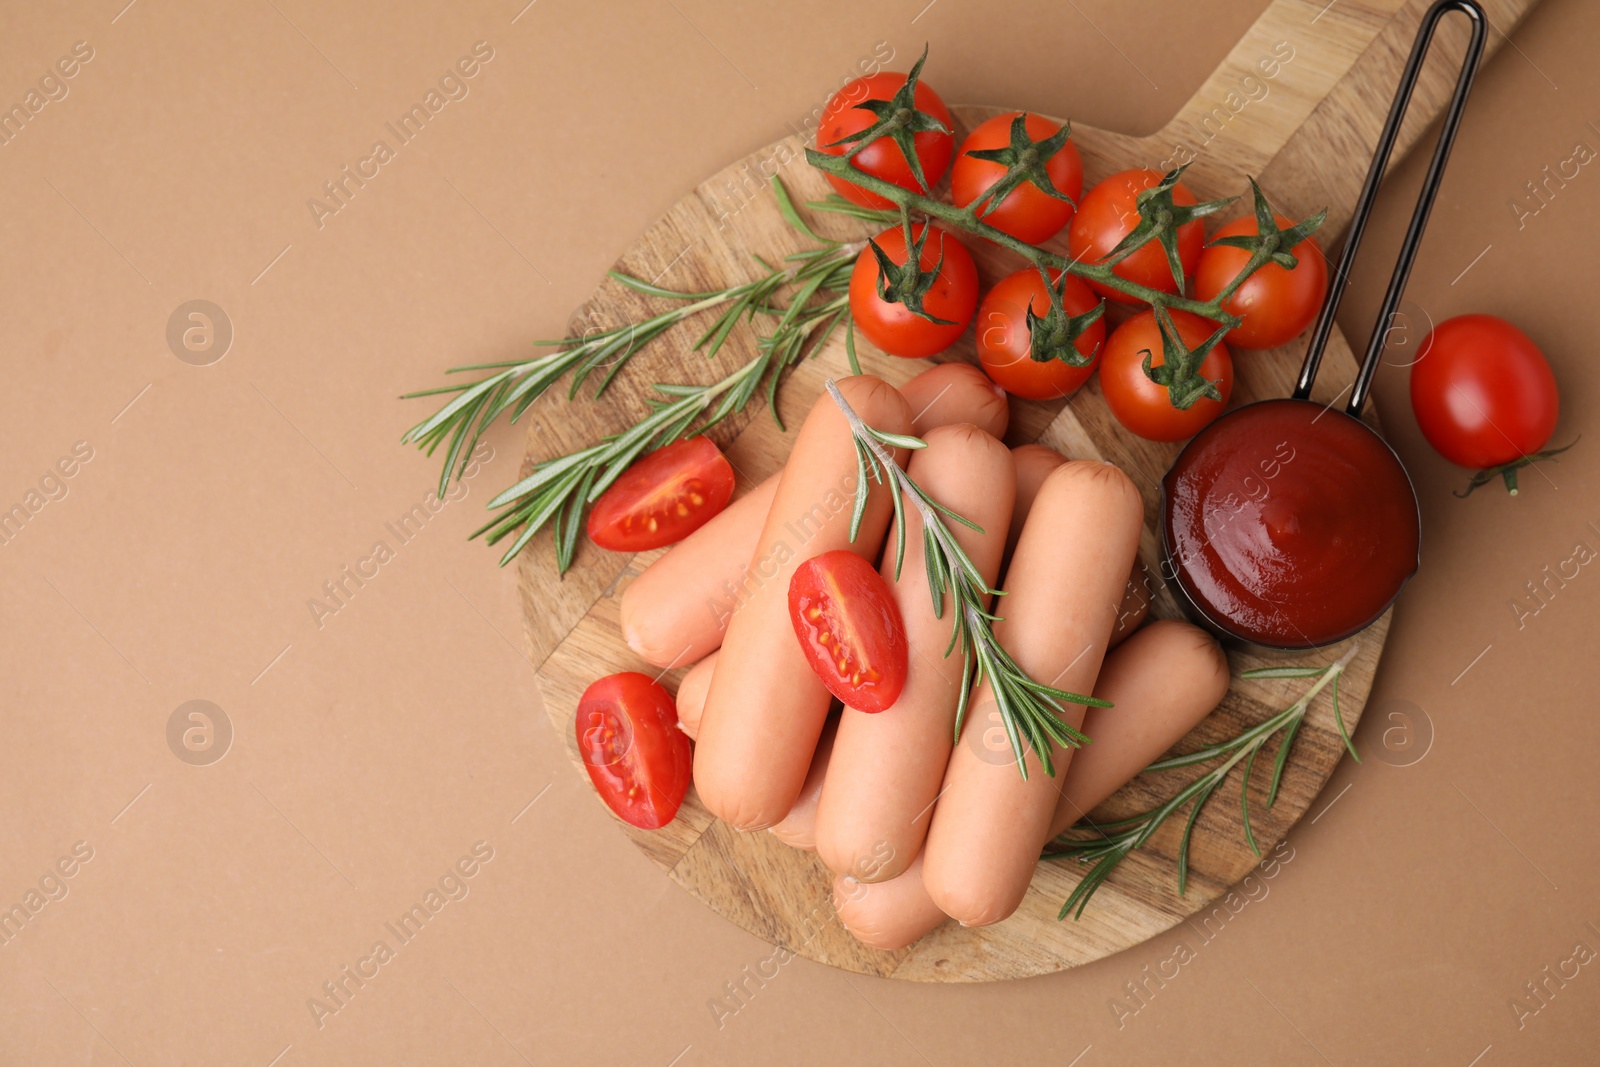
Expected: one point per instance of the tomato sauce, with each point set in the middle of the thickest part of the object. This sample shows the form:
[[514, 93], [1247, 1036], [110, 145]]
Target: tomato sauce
[[1289, 524]]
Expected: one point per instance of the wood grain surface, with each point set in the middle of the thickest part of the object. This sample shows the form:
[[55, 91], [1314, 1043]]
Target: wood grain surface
[[1306, 132]]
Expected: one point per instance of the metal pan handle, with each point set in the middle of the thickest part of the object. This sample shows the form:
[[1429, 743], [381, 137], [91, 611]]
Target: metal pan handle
[[1419, 215]]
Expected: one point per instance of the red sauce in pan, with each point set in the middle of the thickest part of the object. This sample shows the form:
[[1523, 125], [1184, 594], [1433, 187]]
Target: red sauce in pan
[[1289, 524]]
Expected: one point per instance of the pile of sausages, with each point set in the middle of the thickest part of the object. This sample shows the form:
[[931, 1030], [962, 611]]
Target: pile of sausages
[[916, 824]]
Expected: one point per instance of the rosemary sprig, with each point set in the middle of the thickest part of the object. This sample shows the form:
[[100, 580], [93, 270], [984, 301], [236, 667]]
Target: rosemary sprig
[[1028, 709], [559, 490], [1159, 219], [516, 384], [1108, 844]]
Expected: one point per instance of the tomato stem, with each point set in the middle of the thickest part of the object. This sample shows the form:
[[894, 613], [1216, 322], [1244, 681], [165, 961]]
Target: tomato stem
[[1507, 472]]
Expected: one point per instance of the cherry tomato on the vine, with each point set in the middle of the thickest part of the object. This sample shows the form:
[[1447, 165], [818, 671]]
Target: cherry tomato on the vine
[[1110, 211], [1027, 212], [844, 116], [1145, 407], [1483, 393], [1004, 342], [849, 629], [1275, 304], [663, 498], [637, 758], [953, 296]]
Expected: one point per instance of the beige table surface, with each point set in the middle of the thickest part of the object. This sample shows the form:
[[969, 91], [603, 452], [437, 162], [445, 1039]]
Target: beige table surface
[[375, 747]]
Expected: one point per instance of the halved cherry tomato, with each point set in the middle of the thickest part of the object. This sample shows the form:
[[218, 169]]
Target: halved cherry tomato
[[1109, 212], [1027, 212], [637, 758], [1145, 407], [844, 116], [954, 296], [663, 498], [1275, 304], [1004, 342], [1484, 395], [850, 629]]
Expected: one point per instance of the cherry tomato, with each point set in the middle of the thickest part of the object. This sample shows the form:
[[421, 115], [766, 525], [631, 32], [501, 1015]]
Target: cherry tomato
[[1110, 211], [844, 116], [1027, 213], [637, 758], [849, 628], [1145, 407], [1004, 341], [1483, 393], [1276, 304], [953, 297], [663, 498]]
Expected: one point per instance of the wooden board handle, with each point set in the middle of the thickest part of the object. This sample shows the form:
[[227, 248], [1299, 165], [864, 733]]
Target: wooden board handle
[[1299, 100], [1272, 81]]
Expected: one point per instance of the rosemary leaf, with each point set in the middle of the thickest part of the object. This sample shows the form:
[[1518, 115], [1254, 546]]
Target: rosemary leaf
[[1244, 797], [1338, 719]]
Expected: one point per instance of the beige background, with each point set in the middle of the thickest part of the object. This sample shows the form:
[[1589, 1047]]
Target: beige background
[[372, 752]]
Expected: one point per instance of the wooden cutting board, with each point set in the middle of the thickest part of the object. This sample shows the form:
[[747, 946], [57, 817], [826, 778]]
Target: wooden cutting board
[[1298, 103]]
